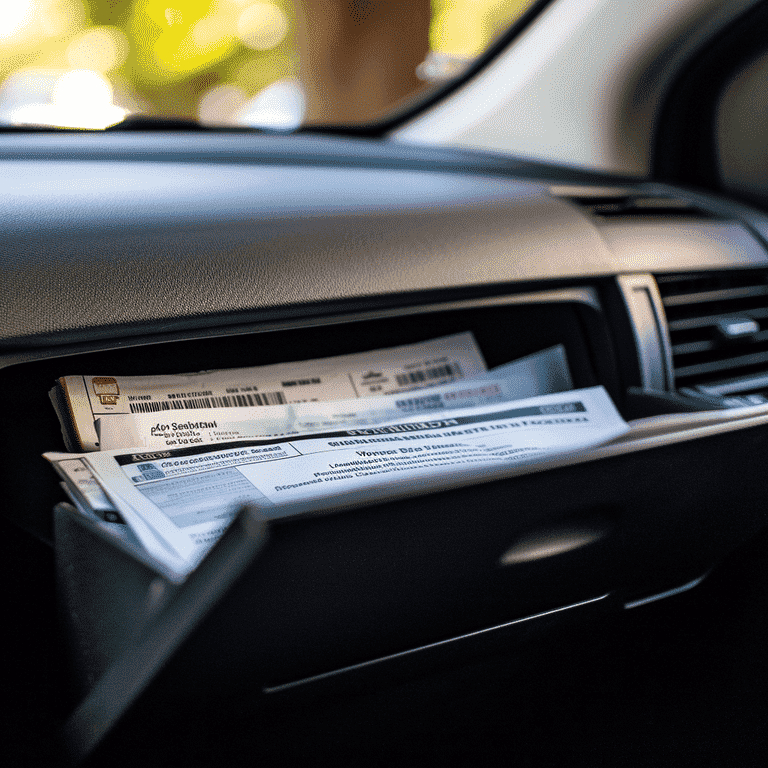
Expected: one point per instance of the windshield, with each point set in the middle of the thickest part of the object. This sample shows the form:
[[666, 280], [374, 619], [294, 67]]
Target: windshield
[[274, 64]]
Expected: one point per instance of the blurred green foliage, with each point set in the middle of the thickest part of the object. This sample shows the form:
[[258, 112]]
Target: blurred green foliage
[[162, 56]]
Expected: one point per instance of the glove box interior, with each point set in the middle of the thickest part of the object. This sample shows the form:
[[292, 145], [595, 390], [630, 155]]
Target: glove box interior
[[335, 592]]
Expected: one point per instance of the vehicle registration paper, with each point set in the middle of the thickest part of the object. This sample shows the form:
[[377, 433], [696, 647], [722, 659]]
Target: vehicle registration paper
[[538, 374], [184, 498], [367, 374]]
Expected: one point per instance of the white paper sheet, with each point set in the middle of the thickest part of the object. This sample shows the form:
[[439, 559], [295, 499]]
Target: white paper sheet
[[220, 425], [367, 374], [538, 374], [187, 496]]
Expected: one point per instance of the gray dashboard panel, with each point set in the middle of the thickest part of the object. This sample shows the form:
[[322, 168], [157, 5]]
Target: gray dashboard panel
[[89, 244], [681, 245], [94, 240]]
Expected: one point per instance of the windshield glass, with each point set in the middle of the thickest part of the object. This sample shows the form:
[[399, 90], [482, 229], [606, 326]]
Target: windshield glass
[[275, 64]]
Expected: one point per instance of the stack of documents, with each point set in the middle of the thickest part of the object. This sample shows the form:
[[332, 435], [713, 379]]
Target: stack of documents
[[173, 458]]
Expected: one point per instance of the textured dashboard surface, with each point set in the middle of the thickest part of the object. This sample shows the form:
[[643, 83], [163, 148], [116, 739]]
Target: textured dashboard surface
[[96, 242], [102, 244]]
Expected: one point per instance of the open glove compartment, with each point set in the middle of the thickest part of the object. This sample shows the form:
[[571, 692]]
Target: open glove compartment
[[415, 586], [389, 585]]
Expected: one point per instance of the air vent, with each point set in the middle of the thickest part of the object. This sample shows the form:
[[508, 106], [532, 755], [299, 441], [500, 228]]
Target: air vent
[[638, 206], [718, 327]]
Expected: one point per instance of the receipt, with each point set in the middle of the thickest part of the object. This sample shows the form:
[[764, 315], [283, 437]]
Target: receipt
[[84, 399]]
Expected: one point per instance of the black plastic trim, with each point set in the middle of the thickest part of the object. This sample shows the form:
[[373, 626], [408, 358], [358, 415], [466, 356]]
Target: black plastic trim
[[81, 340], [249, 148]]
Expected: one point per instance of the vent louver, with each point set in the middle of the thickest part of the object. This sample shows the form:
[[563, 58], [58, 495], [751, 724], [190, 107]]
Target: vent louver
[[638, 206], [718, 327]]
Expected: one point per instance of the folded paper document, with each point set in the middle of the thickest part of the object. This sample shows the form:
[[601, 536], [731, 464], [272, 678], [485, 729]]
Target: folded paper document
[[220, 425], [81, 400], [179, 500], [538, 374]]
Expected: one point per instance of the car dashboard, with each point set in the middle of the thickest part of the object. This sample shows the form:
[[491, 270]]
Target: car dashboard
[[165, 253]]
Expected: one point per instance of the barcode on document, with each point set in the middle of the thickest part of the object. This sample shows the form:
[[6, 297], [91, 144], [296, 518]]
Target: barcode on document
[[432, 401], [228, 401], [438, 372]]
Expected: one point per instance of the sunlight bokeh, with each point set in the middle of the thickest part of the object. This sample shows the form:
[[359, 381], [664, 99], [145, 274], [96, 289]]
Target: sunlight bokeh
[[87, 63]]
